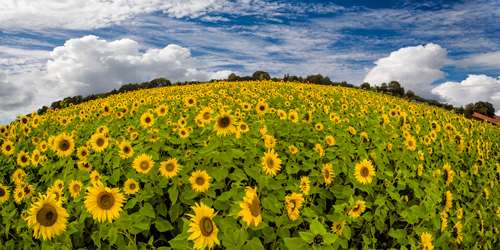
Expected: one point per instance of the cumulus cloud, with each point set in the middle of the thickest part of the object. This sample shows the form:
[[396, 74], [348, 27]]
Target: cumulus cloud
[[13, 97], [489, 59], [413, 67], [91, 65], [473, 89]]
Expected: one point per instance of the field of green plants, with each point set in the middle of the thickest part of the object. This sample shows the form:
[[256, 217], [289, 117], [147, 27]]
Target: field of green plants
[[249, 165]]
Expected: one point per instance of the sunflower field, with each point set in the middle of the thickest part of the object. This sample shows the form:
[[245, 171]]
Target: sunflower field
[[249, 165]]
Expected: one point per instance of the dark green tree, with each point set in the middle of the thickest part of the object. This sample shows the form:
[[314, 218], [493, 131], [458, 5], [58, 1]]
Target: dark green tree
[[365, 85], [485, 108], [233, 77], [265, 75], [410, 94], [384, 87]]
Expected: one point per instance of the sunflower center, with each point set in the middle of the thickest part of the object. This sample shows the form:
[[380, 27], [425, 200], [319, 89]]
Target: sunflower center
[[106, 109], [37, 157], [84, 153], [206, 226], [76, 188], [364, 172], [47, 216], [100, 142], [8, 147], [243, 127], [170, 167], [270, 163], [105, 200], [255, 207], [26, 189], [356, 208], [147, 120], [200, 181], [326, 174], [2, 192], [126, 150], [293, 205], [144, 165], [224, 122], [132, 186], [262, 108], [318, 239], [64, 145], [191, 101], [24, 159]]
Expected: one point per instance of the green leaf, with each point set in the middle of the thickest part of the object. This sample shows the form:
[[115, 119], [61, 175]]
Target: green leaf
[[191, 194], [347, 232], [317, 228], [226, 195], [175, 211], [271, 203], [112, 235], [96, 237], [124, 221], [330, 238], [295, 243], [147, 210], [227, 224], [308, 237], [220, 174], [180, 244], [238, 175], [399, 234], [173, 193], [163, 225], [272, 184], [241, 237], [140, 223], [162, 209], [254, 244]]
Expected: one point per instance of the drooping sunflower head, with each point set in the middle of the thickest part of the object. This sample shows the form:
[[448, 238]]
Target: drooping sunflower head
[[143, 163], [457, 233], [251, 208], [305, 185], [200, 181], [338, 227], [293, 203], [357, 209], [103, 202], [47, 218], [84, 165]]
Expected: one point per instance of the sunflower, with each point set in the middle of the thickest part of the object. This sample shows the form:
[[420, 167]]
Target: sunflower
[[293, 203], [104, 203], [82, 152], [18, 194], [224, 123], [327, 173], [458, 235], [271, 163], [420, 170], [357, 209], [42, 146], [162, 110], [330, 140], [95, 177], [433, 135], [243, 127], [130, 186], [262, 108], [393, 113], [47, 218], [169, 168], [205, 114], [183, 132], [190, 101], [411, 143], [426, 241], [35, 157], [305, 185], [147, 120], [448, 201], [84, 165], [318, 126], [8, 148], [203, 228], [99, 142], [59, 184], [4, 193], [251, 208], [74, 188], [64, 145], [307, 117], [143, 163], [364, 171], [200, 181], [448, 174], [126, 150], [337, 227], [293, 116], [23, 159], [269, 141], [18, 176], [352, 130], [460, 213], [58, 193], [282, 114], [293, 149]]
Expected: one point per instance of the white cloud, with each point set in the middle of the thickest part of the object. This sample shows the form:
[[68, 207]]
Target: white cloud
[[90, 65], [489, 59], [473, 89], [414, 68]]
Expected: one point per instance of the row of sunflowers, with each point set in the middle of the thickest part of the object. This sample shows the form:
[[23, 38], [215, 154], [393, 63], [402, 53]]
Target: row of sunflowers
[[249, 165]]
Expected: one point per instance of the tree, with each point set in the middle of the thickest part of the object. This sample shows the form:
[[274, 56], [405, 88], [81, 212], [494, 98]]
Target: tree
[[365, 85], [233, 77], [410, 94], [485, 108], [327, 81], [265, 75], [469, 110], [384, 87], [396, 88]]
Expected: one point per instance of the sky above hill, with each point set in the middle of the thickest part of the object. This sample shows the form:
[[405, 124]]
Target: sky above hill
[[50, 49]]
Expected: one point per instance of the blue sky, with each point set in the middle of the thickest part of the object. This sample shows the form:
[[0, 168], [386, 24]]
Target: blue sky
[[445, 50]]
